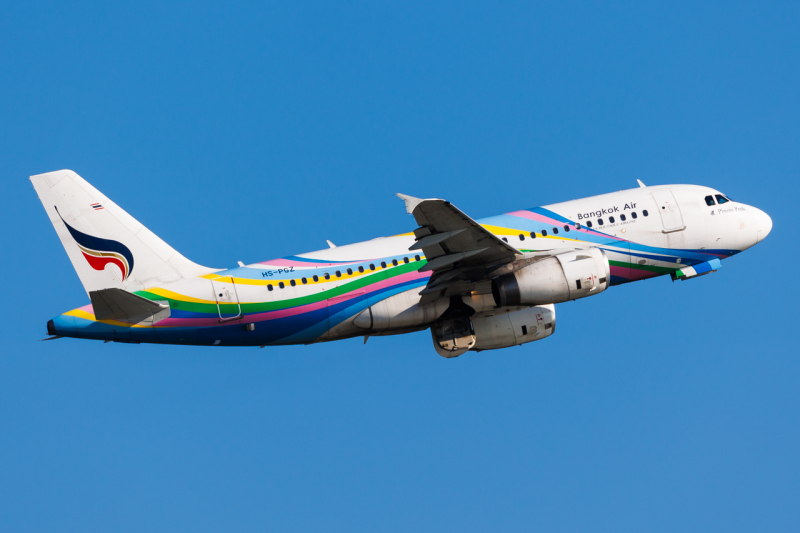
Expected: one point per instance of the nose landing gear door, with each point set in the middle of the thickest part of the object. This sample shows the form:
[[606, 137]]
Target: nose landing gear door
[[670, 212], [227, 299]]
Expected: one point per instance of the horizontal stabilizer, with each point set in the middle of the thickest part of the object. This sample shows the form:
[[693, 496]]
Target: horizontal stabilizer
[[117, 304]]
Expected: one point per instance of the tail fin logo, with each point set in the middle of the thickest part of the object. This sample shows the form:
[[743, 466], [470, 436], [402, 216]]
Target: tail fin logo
[[100, 252]]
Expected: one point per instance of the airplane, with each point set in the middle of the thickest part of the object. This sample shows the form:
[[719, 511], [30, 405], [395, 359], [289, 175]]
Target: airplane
[[475, 284]]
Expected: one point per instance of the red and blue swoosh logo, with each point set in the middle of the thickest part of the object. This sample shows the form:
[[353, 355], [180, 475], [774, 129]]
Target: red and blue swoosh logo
[[100, 252]]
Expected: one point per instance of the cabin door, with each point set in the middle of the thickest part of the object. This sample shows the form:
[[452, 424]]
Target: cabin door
[[671, 217], [227, 298]]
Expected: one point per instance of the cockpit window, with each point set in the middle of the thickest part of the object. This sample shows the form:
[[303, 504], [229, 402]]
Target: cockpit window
[[710, 200], [721, 199]]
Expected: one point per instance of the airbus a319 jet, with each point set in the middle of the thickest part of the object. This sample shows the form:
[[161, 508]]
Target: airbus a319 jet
[[476, 284]]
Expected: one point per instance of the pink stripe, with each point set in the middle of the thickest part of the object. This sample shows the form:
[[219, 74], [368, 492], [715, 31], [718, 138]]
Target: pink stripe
[[293, 311], [410, 276], [190, 322], [534, 216], [632, 274], [303, 264], [548, 220]]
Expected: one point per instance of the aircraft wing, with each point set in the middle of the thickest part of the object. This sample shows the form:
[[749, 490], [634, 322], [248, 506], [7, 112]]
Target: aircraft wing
[[459, 251]]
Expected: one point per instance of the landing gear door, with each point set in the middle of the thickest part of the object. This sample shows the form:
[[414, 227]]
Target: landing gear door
[[227, 298], [671, 217]]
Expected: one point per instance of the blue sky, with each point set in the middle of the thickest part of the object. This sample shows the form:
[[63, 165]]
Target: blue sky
[[248, 132]]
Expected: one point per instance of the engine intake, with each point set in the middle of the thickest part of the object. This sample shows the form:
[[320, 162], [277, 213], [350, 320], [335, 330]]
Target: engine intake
[[558, 278]]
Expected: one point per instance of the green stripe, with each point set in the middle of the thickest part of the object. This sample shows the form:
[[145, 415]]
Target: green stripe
[[260, 307], [636, 266]]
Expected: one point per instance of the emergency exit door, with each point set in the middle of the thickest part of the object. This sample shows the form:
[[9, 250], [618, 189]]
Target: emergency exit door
[[671, 217]]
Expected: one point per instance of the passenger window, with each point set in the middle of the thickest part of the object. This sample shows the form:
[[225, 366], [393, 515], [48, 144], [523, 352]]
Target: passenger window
[[338, 274], [292, 283], [505, 239], [417, 258], [577, 226], [566, 228], [644, 212], [633, 214], [394, 262], [315, 278], [599, 221], [721, 199], [544, 233], [405, 260], [361, 269], [269, 287], [349, 271], [588, 223], [622, 218], [371, 266], [555, 231], [533, 235], [327, 276], [304, 280], [610, 220], [521, 237], [281, 285], [383, 264], [710, 200]]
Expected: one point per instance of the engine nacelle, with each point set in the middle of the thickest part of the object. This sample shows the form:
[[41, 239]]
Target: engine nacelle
[[455, 333], [555, 279], [514, 328]]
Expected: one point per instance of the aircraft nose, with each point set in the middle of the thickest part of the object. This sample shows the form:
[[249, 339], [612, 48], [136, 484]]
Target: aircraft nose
[[763, 224]]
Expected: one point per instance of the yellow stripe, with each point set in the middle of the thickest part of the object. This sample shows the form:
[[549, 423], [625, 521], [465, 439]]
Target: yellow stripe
[[80, 313], [180, 297], [511, 232]]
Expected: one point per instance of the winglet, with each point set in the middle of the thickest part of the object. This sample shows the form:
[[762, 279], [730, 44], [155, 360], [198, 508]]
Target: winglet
[[642, 185], [411, 202], [330, 244]]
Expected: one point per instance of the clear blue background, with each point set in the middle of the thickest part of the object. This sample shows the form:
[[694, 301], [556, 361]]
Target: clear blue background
[[245, 132]]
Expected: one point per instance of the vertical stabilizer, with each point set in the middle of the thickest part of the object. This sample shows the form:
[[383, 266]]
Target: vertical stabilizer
[[107, 246]]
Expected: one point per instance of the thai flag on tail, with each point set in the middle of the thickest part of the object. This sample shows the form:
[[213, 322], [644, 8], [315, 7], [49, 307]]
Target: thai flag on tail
[[97, 206]]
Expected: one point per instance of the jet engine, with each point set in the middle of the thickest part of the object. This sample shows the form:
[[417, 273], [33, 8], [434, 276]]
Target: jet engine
[[554, 279], [455, 334]]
